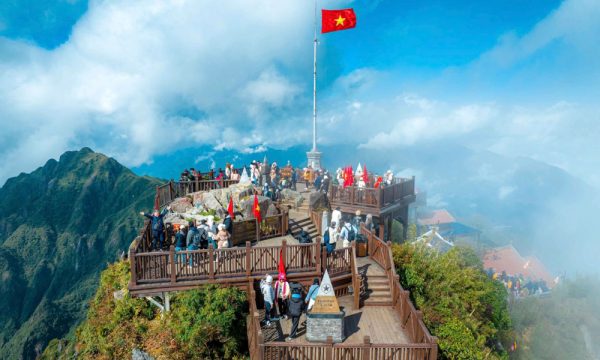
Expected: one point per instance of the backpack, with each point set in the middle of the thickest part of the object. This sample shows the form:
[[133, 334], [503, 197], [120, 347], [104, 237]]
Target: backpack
[[203, 236], [196, 238], [351, 234]]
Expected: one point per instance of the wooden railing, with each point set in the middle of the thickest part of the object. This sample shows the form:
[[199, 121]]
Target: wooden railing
[[410, 318], [253, 328], [317, 219], [356, 280], [251, 230], [173, 189], [233, 264], [372, 197], [362, 351]]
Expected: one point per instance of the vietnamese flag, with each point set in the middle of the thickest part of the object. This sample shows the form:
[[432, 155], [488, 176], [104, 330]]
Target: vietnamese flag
[[257, 209], [365, 175], [334, 20], [230, 208]]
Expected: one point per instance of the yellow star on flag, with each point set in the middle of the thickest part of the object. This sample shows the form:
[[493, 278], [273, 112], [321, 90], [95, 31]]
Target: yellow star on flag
[[257, 208], [340, 21]]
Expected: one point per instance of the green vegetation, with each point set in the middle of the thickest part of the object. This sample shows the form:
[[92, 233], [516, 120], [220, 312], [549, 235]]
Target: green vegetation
[[60, 226], [564, 325], [205, 323], [466, 310]]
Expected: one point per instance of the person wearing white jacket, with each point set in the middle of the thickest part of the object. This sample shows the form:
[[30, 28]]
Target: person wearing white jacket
[[266, 288], [336, 216]]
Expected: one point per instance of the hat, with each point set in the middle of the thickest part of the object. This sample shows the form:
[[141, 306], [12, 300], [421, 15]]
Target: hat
[[269, 279], [358, 212], [182, 226], [281, 276], [221, 227]]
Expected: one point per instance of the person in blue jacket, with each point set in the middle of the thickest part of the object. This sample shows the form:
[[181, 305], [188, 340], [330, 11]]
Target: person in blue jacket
[[158, 227]]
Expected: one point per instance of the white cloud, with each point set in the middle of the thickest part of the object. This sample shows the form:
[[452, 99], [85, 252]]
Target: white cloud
[[575, 22], [119, 83], [429, 121], [505, 191]]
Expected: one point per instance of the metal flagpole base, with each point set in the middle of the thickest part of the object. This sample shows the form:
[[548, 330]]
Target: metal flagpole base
[[314, 159]]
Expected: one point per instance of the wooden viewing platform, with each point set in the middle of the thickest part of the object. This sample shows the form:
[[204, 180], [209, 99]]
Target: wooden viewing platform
[[381, 321]]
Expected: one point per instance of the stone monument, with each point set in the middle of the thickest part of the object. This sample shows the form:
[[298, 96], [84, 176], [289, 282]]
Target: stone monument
[[325, 318]]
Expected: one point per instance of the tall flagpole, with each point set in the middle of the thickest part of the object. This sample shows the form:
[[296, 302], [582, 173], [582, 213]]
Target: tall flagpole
[[314, 148], [314, 156]]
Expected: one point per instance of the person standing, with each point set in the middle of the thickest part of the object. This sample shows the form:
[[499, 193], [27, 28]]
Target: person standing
[[312, 294], [193, 241], [332, 237], [325, 184], [295, 309], [336, 216], [158, 227], [266, 288], [180, 243], [228, 222], [346, 234], [282, 294], [294, 179]]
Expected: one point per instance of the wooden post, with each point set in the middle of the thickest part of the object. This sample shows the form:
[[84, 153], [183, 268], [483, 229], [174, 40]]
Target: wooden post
[[257, 229], [283, 253], [248, 251], [382, 228], [318, 260], [173, 265], [366, 349], [133, 280], [158, 195], [261, 345], [329, 349], [211, 263], [434, 348]]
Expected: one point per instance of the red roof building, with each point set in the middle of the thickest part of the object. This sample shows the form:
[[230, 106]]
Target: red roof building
[[436, 217], [508, 259]]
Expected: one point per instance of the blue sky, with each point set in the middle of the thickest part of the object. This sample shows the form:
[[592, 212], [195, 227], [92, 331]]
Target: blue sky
[[141, 80]]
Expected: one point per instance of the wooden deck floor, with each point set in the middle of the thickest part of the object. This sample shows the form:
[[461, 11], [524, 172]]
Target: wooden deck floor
[[380, 323]]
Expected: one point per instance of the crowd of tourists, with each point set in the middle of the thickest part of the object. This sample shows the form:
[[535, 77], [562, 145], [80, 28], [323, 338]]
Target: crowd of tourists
[[284, 300], [194, 235], [518, 286]]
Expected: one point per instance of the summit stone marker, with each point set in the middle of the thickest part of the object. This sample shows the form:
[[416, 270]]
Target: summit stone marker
[[325, 318]]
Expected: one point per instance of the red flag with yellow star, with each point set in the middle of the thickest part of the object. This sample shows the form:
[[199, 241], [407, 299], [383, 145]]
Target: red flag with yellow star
[[334, 20], [257, 209]]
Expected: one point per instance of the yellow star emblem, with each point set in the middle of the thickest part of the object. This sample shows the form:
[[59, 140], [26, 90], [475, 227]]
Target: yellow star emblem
[[340, 21]]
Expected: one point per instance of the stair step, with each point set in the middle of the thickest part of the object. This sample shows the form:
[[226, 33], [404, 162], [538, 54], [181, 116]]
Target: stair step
[[378, 296], [378, 287], [377, 281], [377, 303]]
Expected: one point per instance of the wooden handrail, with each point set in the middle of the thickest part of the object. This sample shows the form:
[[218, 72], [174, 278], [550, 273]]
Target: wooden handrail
[[356, 281], [410, 318]]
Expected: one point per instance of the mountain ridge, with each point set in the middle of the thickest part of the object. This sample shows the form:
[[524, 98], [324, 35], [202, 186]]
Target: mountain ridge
[[61, 224]]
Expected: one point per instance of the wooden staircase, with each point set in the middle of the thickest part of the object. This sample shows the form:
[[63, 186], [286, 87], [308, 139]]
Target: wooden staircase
[[375, 284], [298, 222], [377, 291]]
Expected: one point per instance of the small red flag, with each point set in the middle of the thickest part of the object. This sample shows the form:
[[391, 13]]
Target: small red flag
[[230, 208], [281, 266], [334, 20], [365, 175], [378, 182], [257, 209]]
